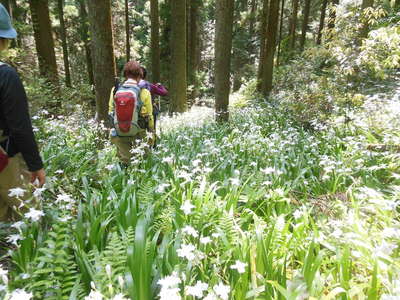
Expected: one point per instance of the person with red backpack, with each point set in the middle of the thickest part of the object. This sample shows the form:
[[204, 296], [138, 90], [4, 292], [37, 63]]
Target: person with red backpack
[[131, 111]]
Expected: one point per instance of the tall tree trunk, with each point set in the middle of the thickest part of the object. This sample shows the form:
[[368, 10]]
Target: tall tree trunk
[[252, 30], [270, 47], [178, 57], [200, 41], [252, 19], [188, 42], [223, 48], [240, 53], [155, 41], [193, 45], [263, 37], [102, 53], [44, 40], [84, 32], [127, 31], [365, 26], [322, 21], [293, 24], [304, 27], [64, 42], [16, 14], [280, 32], [165, 43]]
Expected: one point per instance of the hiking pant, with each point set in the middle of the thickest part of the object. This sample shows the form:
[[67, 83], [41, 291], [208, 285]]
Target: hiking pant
[[125, 144], [15, 175]]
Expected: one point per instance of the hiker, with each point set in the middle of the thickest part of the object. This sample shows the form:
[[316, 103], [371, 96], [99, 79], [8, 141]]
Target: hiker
[[156, 89], [132, 112], [20, 162]]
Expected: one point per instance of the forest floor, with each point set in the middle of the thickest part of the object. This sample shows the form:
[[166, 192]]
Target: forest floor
[[258, 207]]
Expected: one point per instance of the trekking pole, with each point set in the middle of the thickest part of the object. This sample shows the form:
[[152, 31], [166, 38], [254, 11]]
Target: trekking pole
[[159, 112]]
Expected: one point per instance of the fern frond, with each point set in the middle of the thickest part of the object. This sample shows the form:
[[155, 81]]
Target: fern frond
[[145, 194], [114, 257], [54, 271], [229, 228], [163, 222], [129, 236], [115, 254]]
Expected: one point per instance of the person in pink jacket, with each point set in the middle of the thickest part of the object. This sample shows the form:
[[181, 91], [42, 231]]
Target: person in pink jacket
[[155, 89]]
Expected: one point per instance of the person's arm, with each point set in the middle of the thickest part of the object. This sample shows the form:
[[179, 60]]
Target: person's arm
[[158, 89], [145, 96], [14, 107]]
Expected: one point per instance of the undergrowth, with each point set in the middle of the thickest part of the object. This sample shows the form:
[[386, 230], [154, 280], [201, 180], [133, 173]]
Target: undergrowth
[[259, 207]]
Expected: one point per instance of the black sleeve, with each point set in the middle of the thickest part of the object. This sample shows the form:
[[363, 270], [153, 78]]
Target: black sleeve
[[14, 110]]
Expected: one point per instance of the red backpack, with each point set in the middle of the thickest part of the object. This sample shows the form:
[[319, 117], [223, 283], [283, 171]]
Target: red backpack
[[3, 159], [127, 107]]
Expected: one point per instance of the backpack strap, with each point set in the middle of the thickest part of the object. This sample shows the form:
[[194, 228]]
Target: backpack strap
[[4, 140], [116, 85], [2, 137], [135, 88]]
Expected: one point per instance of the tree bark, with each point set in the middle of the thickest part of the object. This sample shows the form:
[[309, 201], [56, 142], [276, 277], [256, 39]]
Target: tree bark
[[199, 42], [193, 45], [44, 40], [188, 42], [155, 41], [127, 31], [240, 52], [64, 43], [102, 53], [270, 47], [84, 33], [322, 21], [252, 19], [263, 37], [306, 16], [223, 48], [178, 57], [293, 24], [13, 9], [280, 32], [16, 14], [165, 43]]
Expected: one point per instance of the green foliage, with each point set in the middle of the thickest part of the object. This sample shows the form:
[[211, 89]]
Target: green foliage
[[259, 187], [326, 80], [141, 255], [164, 221], [54, 273], [262, 203], [109, 266], [380, 52], [246, 95]]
